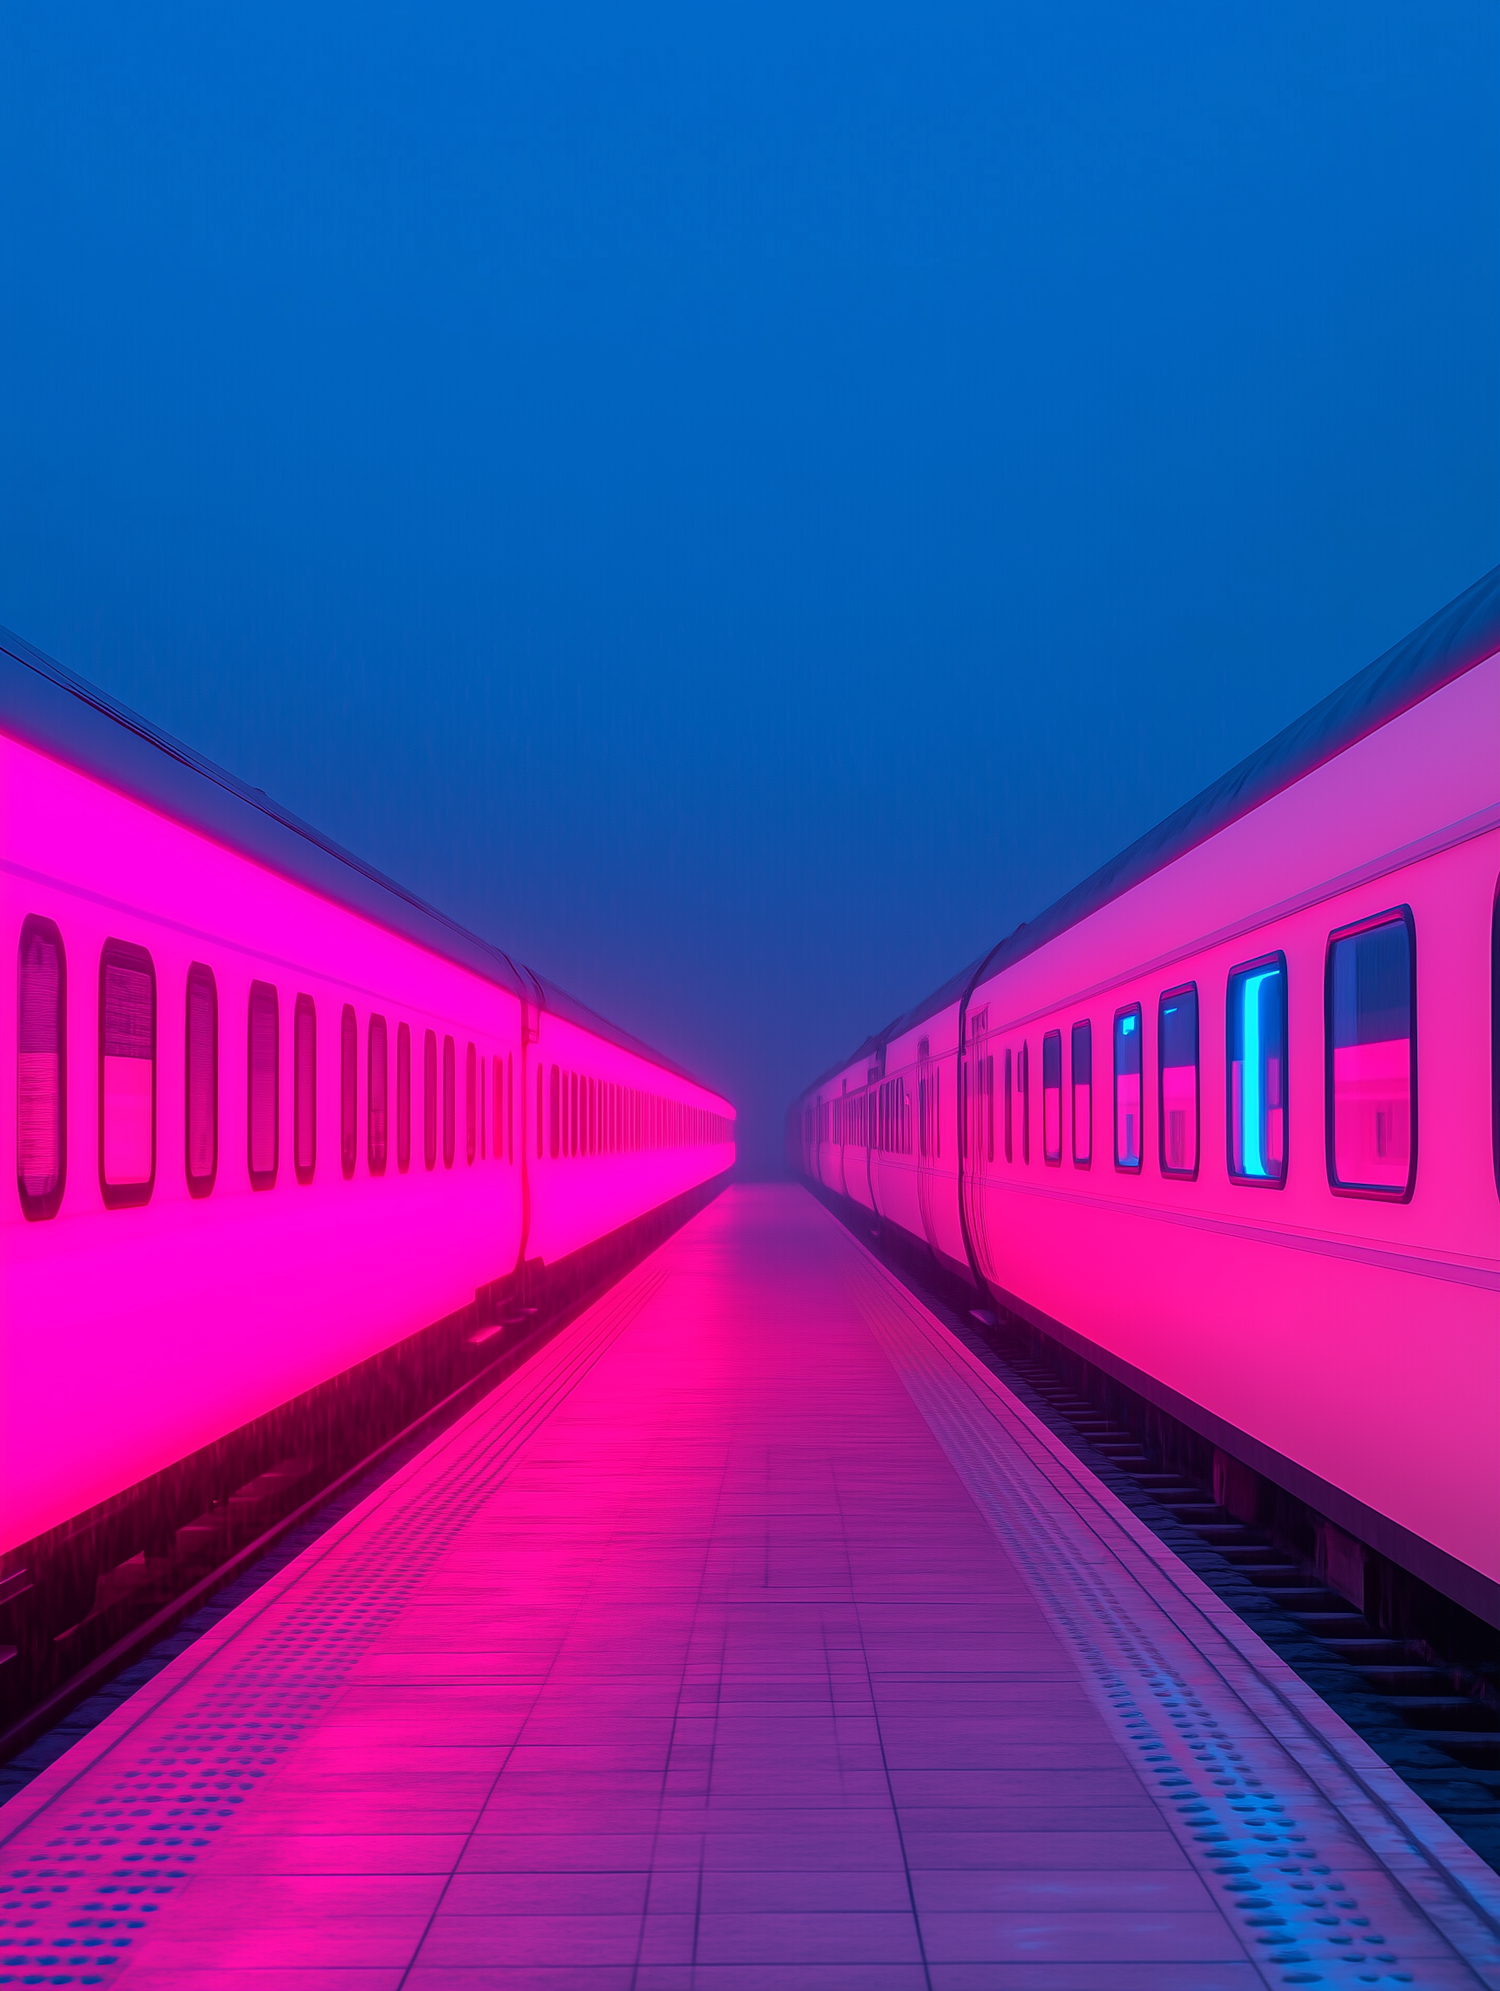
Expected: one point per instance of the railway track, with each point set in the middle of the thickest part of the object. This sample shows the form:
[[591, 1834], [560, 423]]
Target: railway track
[[1433, 1717]]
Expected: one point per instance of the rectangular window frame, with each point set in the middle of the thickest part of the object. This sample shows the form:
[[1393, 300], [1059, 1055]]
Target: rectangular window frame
[[471, 1104], [348, 1091], [267, 996], [1276, 960], [377, 1117], [200, 977], [41, 1205], [429, 1100], [1130, 1009], [304, 1009], [450, 1101], [1052, 1037], [125, 954], [403, 1097], [554, 1131], [1370, 1192], [1082, 1032], [1171, 995]]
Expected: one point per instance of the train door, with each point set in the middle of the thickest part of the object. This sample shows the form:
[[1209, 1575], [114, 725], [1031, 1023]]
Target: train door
[[979, 1135], [929, 1135], [845, 1104], [872, 1083]]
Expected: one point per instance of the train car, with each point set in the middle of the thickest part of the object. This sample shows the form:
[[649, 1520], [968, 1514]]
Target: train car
[[272, 1114], [1194, 1122]]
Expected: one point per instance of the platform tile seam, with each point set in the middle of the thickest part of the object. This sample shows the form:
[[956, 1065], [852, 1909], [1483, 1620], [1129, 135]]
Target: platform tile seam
[[1295, 1914], [221, 1746]]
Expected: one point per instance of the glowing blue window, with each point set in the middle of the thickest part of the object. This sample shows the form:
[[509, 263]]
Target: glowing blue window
[[1128, 1088], [1177, 1080], [1257, 1072]]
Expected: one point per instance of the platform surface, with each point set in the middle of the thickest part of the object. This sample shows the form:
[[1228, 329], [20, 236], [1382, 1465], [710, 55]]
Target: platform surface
[[752, 1635]]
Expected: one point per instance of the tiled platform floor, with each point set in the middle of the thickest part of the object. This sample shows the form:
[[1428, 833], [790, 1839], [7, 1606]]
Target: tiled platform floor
[[750, 1636]]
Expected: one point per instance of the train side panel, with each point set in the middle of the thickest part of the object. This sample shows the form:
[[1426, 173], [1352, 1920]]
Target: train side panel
[[130, 1336], [611, 1136], [1357, 1337]]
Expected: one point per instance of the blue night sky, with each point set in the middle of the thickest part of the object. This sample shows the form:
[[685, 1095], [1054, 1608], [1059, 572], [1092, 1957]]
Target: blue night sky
[[743, 504]]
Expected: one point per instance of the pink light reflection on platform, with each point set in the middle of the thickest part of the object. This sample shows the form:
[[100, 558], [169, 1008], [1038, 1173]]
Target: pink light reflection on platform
[[725, 1674]]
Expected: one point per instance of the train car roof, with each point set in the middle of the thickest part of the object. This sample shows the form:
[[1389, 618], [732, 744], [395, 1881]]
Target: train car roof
[[1448, 644], [45, 705]]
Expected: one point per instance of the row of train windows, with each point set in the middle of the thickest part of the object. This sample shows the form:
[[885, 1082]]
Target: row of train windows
[[127, 1082], [588, 1116], [1370, 1073], [887, 1117]]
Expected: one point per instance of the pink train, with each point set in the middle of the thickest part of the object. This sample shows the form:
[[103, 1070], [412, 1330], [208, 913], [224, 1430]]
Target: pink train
[[272, 1115], [1192, 1123]]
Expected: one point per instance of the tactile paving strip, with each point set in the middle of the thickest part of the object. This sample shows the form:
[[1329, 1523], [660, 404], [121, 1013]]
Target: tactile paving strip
[[1238, 1753], [80, 1876]]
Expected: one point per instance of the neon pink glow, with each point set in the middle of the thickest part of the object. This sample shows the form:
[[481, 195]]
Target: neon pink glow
[[129, 1337], [1179, 1104], [1384, 1312], [1372, 1112], [1128, 1119]]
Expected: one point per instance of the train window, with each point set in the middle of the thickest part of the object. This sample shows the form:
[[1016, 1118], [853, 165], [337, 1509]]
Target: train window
[[1257, 1072], [593, 1116], [498, 1120], [510, 1110], [572, 1113], [1052, 1099], [375, 1094], [263, 1104], [1128, 1087], [429, 1099], [481, 1109], [1370, 1007], [1081, 1062], [304, 1088], [471, 1103], [989, 1106], [127, 1074], [403, 1097], [1009, 1110], [450, 1101], [348, 1091], [201, 1080], [1177, 1081], [555, 1141], [41, 1068]]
